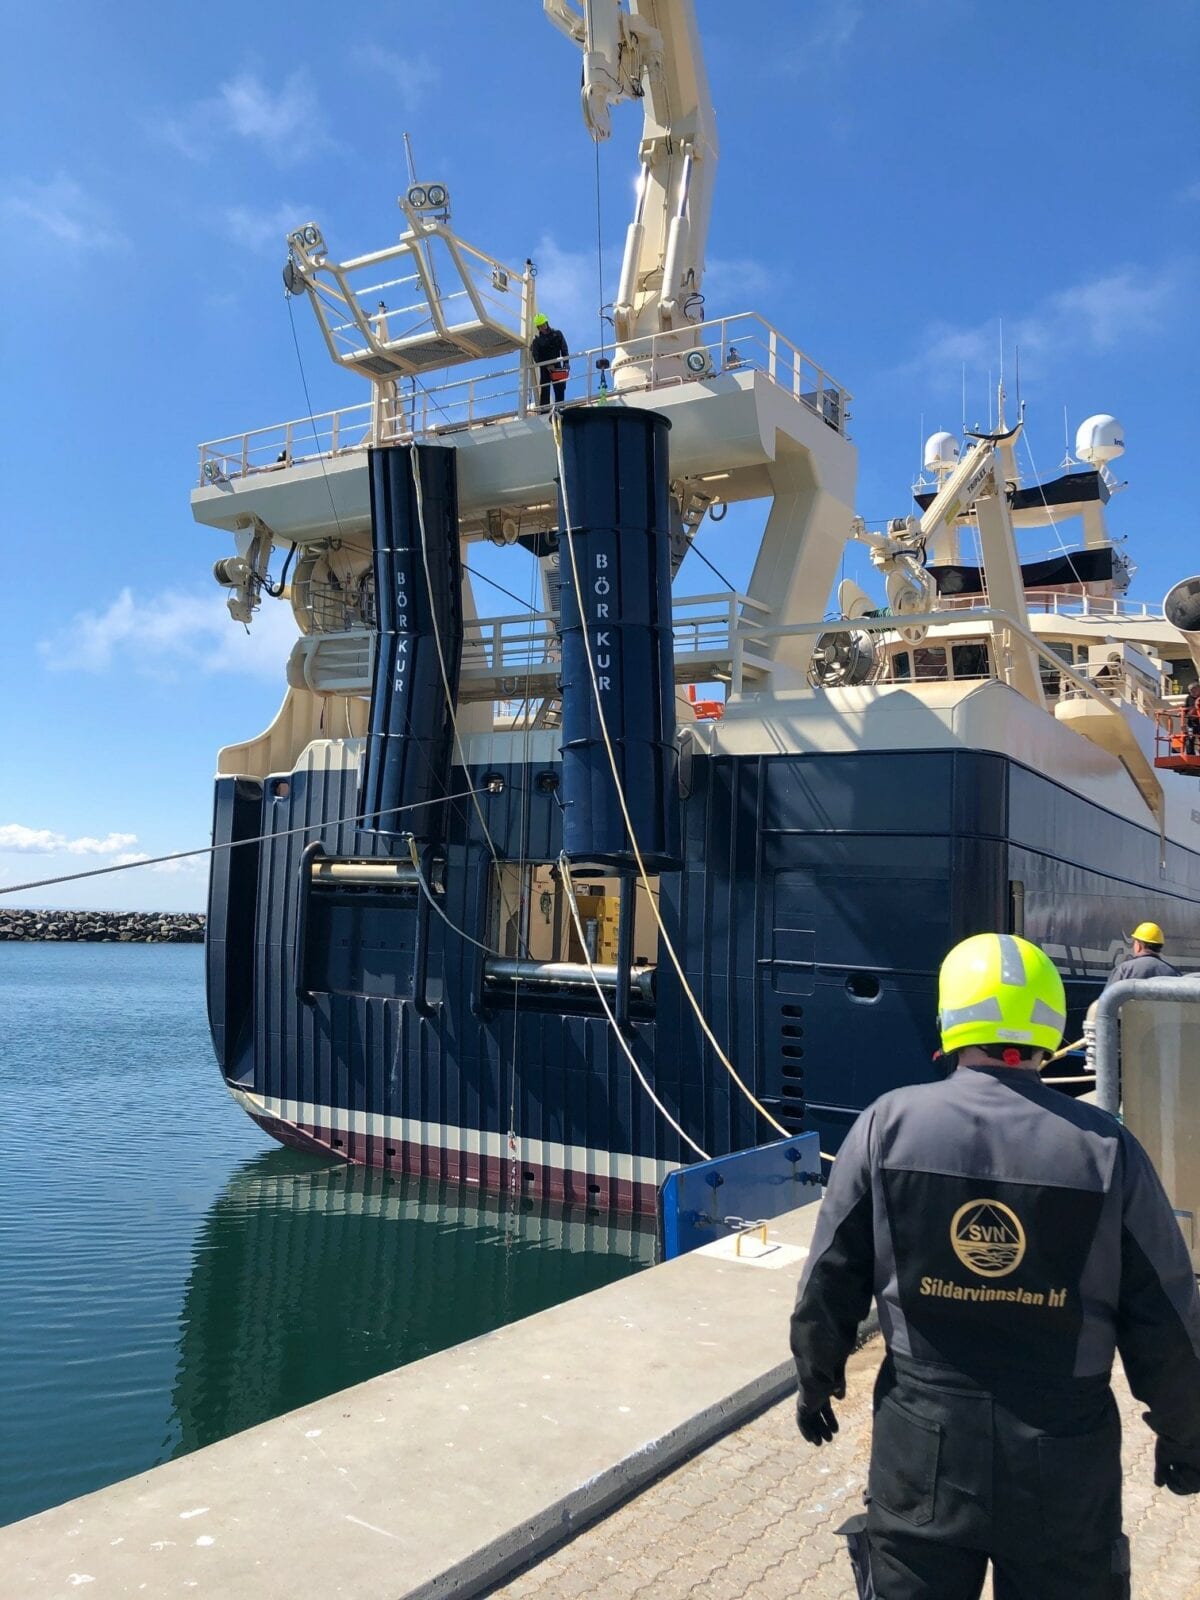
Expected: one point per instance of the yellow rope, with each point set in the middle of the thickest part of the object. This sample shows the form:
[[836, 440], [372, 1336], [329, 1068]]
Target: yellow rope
[[565, 868], [1064, 1051]]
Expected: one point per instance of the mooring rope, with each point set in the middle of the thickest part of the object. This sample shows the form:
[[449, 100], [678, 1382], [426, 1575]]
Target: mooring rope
[[564, 867], [232, 844]]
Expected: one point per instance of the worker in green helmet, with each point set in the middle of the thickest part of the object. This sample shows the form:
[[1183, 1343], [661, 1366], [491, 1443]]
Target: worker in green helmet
[[548, 348], [1015, 1240]]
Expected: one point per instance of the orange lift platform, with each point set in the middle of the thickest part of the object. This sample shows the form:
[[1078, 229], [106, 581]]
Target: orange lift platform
[[714, 710], [1175, 748]]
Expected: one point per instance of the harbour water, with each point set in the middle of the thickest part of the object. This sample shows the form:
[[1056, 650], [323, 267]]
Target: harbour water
[[169, 1276]]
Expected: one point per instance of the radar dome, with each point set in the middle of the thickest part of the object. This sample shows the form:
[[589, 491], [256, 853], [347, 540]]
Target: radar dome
[[1100, 439], [941, 452], [1182, 606]]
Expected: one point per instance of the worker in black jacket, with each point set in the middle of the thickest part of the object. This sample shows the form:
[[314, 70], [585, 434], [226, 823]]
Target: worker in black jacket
[[549, 351], [1014, 1239]]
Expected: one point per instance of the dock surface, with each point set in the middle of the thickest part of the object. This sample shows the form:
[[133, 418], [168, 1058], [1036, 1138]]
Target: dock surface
[[753, 1518]]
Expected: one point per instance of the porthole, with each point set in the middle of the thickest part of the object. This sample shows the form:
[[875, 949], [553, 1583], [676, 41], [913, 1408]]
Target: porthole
[[862, 986]]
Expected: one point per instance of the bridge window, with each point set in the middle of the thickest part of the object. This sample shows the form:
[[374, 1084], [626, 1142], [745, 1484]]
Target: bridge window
[[929, 661], [971, 660]]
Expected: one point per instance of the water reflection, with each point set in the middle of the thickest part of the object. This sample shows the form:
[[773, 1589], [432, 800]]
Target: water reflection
[[308, 1277]]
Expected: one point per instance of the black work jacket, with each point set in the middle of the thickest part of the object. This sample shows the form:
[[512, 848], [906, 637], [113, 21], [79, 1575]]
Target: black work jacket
[[548, 347], [1014, 1241]]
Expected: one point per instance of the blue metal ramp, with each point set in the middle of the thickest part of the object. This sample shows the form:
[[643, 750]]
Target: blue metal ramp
[[710, 1200]]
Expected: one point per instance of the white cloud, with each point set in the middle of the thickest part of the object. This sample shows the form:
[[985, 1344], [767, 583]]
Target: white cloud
[[412, 77], [1096, 314], [263, 230], [822, 35], [167, 634], [286, 123], [45, 842], [737, 283], [837, 25], [172, 869], [62, 211]]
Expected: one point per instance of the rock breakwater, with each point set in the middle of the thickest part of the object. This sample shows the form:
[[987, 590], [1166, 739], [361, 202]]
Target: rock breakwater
[[101, 927]]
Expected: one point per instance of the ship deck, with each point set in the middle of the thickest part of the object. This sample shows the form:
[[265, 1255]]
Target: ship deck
[[305, 476]]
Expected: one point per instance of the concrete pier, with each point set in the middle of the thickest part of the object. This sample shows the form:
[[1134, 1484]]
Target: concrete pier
[[637, 1443]]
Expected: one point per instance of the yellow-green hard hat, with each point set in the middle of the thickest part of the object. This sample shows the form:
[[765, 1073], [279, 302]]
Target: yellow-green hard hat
[[541, 320], [995, 988], [1148, 933]]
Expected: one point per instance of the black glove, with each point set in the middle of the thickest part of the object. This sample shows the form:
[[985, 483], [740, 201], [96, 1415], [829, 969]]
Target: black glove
[[1181, 1477], [817, 1424]]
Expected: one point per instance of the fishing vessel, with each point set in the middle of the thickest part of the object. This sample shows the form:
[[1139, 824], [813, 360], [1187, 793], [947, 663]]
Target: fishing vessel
[[557, 900]]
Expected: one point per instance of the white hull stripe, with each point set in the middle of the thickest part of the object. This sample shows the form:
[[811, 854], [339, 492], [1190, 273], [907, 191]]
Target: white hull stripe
[[592, 1163]]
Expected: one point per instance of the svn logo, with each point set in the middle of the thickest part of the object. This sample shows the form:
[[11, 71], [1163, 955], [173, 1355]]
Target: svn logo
[[988, 1238]]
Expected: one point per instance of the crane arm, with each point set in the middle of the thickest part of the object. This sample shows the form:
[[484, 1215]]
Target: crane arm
[[651, 52]]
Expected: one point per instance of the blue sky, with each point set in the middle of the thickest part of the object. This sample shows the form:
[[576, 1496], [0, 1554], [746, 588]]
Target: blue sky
[[894, 179]]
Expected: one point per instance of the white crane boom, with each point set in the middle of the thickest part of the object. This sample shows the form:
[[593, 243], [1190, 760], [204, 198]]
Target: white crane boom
[[651, 52]]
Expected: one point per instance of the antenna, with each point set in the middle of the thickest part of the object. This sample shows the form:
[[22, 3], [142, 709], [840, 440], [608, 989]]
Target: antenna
[[408, 151], [989, 395], [1017, 365], [1068, 461]]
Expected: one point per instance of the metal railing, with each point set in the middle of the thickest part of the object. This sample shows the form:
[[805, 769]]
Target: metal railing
[[742, 343], [706, 627], [1054, 602], [1119, 682], [1106, 1021]]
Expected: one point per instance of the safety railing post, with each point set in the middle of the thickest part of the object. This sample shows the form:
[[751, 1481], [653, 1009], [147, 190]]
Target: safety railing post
[[1106, 1021]]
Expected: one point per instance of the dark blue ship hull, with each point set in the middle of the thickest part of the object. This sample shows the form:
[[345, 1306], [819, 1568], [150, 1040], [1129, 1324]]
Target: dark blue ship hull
[[817, 898]]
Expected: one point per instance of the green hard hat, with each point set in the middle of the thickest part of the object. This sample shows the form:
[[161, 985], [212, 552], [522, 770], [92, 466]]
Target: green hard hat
[[541, 320], [1000, 989]]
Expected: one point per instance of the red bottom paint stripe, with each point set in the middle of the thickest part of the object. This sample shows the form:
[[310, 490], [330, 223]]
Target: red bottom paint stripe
[[492, 1173]]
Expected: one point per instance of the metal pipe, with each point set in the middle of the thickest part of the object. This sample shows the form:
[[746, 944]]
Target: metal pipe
[[565, 974], [625, 916], [1107, 1023], [421, 946], [308, 859], [401, 873]]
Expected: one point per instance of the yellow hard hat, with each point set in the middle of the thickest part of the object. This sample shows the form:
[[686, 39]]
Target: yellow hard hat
[[997, 989], [1148, 933], [540, 320]]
